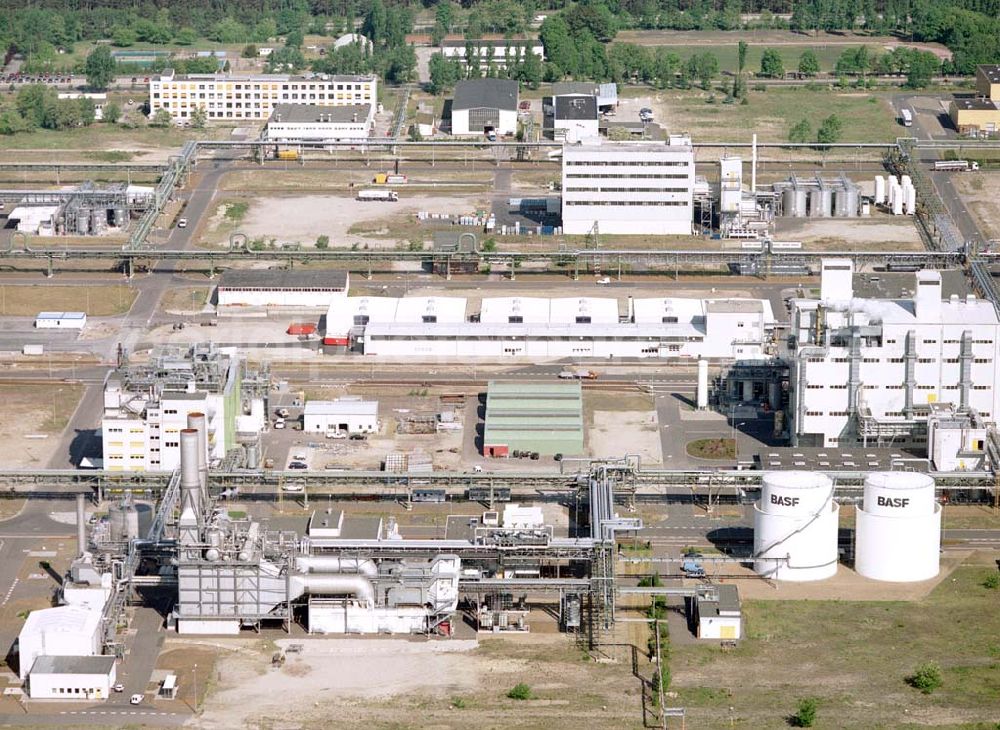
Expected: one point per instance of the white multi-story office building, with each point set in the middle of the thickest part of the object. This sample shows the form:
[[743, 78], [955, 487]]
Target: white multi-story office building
[[227, 96], [146, 408], [871, 370], [639, 188]]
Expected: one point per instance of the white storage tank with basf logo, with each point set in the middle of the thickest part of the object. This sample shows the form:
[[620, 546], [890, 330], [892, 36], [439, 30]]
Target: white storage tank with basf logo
[[795, 527], [898, 528]]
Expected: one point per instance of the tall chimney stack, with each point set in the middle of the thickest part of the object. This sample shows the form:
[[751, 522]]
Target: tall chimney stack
[[81, 525]]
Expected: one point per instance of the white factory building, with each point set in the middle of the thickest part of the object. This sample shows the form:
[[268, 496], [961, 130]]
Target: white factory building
[[79, 678], [145, 413], [572, 118], [59, 631], [600, 327], [484, 106], [344, 415], [637, 188], [291, 123], [232, 96], [871, 370], [281, 288]]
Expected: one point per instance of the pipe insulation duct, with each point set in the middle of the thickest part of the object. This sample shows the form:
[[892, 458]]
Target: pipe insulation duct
[[81, 525], [332, 585], [327, 564]]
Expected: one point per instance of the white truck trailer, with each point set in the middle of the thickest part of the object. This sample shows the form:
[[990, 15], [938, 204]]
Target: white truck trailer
[[390, 195]]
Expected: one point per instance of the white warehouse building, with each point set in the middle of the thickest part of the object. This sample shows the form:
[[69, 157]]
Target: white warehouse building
[[59, 631], [345, 415], [871, 370], [552, 328], [281, 288], [636, 188], [484, 106], [290, 123]]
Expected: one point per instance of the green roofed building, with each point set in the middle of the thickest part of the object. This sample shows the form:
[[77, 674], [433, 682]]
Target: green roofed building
[[542, 417]]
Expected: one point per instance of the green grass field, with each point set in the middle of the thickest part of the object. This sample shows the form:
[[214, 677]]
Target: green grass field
[[854, 657], [866, 117]]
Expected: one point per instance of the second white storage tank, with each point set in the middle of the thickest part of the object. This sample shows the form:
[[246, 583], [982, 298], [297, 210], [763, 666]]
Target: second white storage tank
[[898, 528], [795, 527]]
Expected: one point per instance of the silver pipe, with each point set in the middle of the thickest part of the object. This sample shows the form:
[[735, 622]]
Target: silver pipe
[[355, 585], [81, 525], [198, 422], [327, 564]]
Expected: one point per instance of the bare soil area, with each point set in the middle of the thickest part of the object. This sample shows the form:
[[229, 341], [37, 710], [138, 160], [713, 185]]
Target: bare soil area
[[897, 232], [34, 416], [303, 219], [613, 433], [979, 191]]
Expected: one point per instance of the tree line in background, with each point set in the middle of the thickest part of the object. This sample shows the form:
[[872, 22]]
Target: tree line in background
[[574, 33]]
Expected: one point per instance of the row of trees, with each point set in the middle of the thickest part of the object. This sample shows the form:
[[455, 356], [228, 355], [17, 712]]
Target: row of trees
[[39, 107], [523, 65]]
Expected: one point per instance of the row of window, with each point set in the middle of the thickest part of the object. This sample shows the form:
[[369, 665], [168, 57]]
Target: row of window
[[626, 203], [257, 86], [624, 190], [629, 176], [627, 163], [900, 360]]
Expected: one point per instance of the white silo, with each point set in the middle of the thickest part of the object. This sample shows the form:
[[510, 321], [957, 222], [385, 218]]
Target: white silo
[[909, 200], [702, 384], [795, 527], [896, 194], [898, 528], [879, 190]]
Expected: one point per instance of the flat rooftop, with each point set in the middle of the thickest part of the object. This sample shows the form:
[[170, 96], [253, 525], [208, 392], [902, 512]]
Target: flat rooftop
[[967, 104], [843, 459], [169, 75], [46, 664], [991, 71], [310, 114], [282, 279]]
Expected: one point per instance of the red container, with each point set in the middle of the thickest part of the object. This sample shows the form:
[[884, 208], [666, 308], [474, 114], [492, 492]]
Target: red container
[[301, 328]]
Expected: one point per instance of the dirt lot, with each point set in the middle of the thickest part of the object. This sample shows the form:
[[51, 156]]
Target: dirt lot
[[979, 191], [843, 234], [185, 300], [34, 417], [379, 682], [97, 301], [854, 657], [348, 222], [622, 424]]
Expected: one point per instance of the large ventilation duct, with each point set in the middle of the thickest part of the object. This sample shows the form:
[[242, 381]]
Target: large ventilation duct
[[332, 585], [199, 423], [327, 564], [81, 525]]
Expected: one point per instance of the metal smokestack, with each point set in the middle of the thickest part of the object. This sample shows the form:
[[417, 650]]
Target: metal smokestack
[[190, 478], [81, 525], [198, 422]]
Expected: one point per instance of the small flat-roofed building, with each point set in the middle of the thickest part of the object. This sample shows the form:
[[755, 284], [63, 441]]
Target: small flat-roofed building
[[34, 219], [347, 415], [290, 123], [975, 116], [988, 81], [281, 288], [484, 106], [61, 320], [77, 678], [570, 118], [718, 613], [535, 417]]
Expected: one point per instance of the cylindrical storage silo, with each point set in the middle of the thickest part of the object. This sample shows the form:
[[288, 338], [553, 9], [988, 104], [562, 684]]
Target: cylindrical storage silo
[[800, 202], [795, 527], [909, 200], [774, 395], [702, 384], [879, 190], [788, 201], [897, 201], [840, 203], [82, 223], [131, 522], [826, 202], [898, 528], [815, 203], [116, 523], [119, 217], [853, 201]]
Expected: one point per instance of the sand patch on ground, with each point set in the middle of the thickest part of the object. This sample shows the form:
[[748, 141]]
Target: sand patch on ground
[[614, 433]]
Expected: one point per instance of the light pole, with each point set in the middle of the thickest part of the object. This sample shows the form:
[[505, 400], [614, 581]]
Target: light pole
[[194, 671]]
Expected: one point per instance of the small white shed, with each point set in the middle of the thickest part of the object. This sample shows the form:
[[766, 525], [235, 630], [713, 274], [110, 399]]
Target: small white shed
[[61, 320], [344, 415], [71, 678], [719, 615]]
